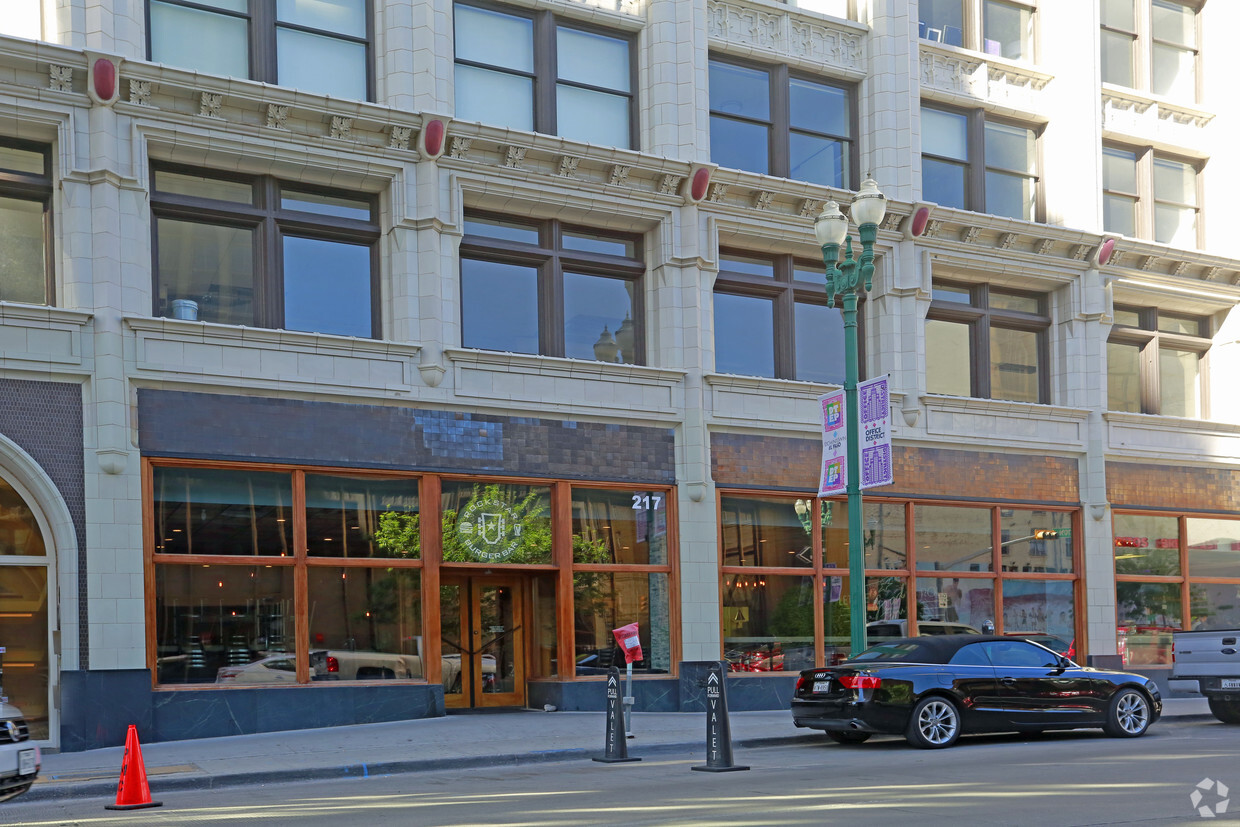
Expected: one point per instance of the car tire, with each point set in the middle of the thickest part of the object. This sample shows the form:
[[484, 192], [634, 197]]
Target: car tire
[[1129, 715], [1226, 711], [934, 724], [845, 736]]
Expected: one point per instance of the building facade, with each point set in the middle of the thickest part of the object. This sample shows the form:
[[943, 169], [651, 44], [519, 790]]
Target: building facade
[[362, 359]]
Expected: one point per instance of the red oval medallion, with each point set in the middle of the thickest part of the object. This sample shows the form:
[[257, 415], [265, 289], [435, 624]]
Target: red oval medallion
[[433, 138], [701, 179], [1104, 252], [104, 73], [920, 219]]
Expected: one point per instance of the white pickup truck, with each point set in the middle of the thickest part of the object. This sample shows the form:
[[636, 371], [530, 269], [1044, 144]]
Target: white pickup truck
[[1212, 658]]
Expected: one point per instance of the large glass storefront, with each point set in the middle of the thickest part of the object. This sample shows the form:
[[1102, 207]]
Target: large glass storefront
[[25, 665], [274, 575], [1172, 571], [931, 568]]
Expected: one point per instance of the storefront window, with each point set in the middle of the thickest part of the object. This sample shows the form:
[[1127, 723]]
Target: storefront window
[[366, 623], [884, 536], [886, 601], [1044, 606], [216, 511], [946, 603], [1035, 541], [496, 523], [360, 517], [1215, 605], [766, 533], [23, 633], [768, 622], [949, 538], [1213, 547], [836, 618], [224, 624], [1148, 613], [1146, 545], [543, 639], [619, 527], [603, 601]]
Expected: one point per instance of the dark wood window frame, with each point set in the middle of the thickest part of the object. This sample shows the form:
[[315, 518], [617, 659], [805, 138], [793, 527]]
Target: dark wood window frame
[[981, 317], [1144, 196], [270, 223], [552, 260], [976, 166], [779, 126], [1151, 340], [785, 292], [545, 77], [25, 186], [262, 26]]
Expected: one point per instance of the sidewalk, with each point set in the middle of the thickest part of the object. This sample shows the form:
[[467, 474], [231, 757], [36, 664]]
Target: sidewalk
[[459, 740]]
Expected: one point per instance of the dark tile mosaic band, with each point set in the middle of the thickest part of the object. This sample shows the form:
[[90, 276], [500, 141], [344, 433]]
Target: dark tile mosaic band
[[260, 429], [45, 420]]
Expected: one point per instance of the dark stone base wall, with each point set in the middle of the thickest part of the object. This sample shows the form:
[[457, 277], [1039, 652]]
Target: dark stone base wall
[[750, 693], [99, 707]]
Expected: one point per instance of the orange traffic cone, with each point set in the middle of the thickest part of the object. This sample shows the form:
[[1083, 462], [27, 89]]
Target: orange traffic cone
[[132, 793]]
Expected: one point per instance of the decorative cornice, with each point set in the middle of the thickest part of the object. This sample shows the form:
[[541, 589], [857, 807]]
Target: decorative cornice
[[787, 34]]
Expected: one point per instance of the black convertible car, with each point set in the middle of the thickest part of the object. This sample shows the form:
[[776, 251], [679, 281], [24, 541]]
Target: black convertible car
[[932, 689]]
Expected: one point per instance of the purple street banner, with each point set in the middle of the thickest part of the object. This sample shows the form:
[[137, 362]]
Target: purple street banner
[[834, 477], [875, 429]]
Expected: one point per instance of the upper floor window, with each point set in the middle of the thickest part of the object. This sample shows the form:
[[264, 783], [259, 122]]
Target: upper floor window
[[321, 46], [764, 119], [530, 71], [987, 342], [253, 250], [1149, 195], [1151, 45], [1154, 362], [972, 162], [25, 223], [772, 319], [996, 27], [549, 288]]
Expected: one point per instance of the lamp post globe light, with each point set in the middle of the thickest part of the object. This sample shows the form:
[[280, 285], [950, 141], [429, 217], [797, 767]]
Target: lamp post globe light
[[847, 279]]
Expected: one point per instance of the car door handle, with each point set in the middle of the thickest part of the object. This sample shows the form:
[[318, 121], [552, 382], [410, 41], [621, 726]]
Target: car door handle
[[1008, 681]]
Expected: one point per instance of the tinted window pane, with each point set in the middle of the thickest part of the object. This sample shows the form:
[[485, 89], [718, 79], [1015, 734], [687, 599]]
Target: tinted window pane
[[818, 160], [1035, 541], [1175, 225], [1127, 318], [321, 64], [1178, 380], [1119, 170], [886, 599], [1117, 58], [884, 536], [1148, 613], [768, 622], [1174, 181], [502, 229], [818, 108], [944, 134], [748, 266], [200, 186], [954, 601], [739, 145], [1123, 377], [325, 205], [21, 160], [953, 539], [943, 183], [1215, 606], [21, 534], [499, 306], [494, 97], [940, 14], [744, 335], [592, 59], [593, 117], [359, 517], [496, 523], [819, 343], [766, 532], [1010, 301], [1118, 14], [214, 511], [590, 243], [737, 90], [211, 266], [347, 17], [948, 356], [1174, 74], [202, 40], [1179, 324], [485, 36], [603, 601], [1010, 195], [1010, 147], [594, 310], [224, 624], [1146, 545], [1014, 365], [1018, 653], [1213, 549], [627, 527], [1174, 22], [366, 624], [1119, 214], [1039, 606], [327, 287], [23, 260], [959, 295], [1007, 30]]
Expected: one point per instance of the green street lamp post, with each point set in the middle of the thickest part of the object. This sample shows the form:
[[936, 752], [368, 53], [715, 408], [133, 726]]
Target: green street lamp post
[[848, 278]]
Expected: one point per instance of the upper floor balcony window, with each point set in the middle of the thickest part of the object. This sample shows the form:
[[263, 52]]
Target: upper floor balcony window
[[25, 222], [1151, 45], [997, 27], [321, 46]]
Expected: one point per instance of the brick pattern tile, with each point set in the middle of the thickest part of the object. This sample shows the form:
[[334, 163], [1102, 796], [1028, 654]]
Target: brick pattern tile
[[1138, 485]]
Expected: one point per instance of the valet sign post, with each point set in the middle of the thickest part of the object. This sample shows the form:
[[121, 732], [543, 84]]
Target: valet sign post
[[630, 643]]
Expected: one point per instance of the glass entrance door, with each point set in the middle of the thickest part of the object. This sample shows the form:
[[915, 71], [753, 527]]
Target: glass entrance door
[[483, 642]]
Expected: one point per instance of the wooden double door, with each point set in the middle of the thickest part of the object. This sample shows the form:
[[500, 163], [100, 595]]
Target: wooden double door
[[483, 642]]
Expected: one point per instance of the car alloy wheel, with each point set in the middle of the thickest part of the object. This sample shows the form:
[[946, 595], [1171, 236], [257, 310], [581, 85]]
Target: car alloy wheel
[[935, 724], [1130, 714]]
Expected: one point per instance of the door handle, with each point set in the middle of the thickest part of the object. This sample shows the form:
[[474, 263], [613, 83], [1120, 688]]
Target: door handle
[[1008, 681]]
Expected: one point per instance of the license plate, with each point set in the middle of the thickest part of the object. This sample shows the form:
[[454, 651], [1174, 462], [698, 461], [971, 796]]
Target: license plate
[[25, 762], [822, 686], [1230, 683]]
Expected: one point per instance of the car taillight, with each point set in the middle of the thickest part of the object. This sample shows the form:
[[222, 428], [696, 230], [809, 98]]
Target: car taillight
[[333, 665], [859, 681], [1173, 650], [800, 684]]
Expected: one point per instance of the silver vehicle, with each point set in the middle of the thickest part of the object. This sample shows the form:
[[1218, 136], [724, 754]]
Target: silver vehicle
[[1211, 657], [19, 758]]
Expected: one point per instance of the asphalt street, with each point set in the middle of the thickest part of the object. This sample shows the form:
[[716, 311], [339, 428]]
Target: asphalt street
[[1076, 778]]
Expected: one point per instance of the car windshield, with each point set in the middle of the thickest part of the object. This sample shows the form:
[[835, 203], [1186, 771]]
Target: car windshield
[[906, 651]]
